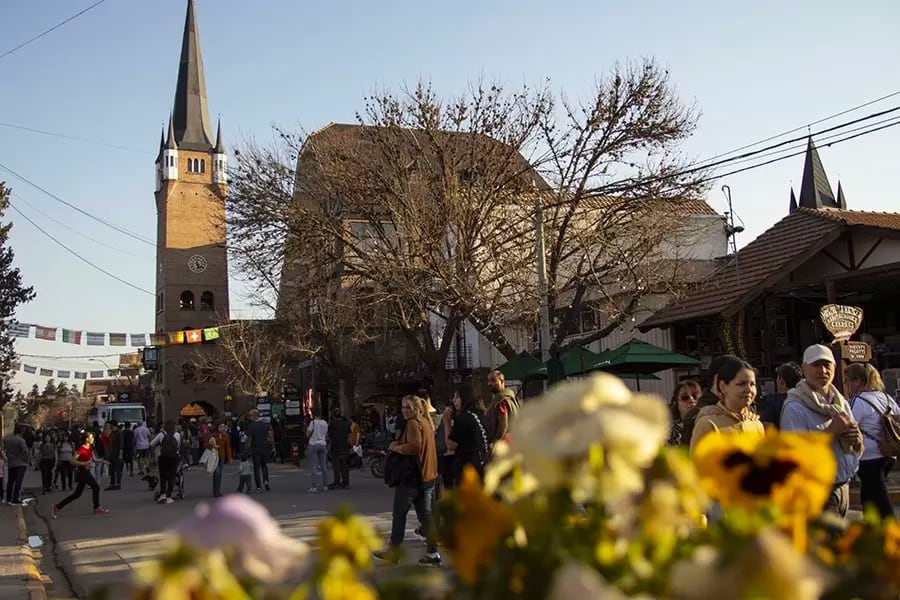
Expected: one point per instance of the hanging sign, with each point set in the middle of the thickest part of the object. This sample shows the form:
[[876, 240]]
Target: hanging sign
[[841, 321]]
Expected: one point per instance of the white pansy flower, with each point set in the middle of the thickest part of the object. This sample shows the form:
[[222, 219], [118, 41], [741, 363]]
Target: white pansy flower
[[592, 434]]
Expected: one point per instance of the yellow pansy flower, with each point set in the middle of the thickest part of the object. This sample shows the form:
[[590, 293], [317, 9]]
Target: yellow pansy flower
[[478, 523], [793, 471]]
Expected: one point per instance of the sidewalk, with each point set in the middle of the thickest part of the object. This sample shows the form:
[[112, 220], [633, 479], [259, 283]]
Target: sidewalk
[[20, 577]]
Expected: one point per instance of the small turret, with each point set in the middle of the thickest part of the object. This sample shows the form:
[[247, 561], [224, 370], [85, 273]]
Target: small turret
[[159, 159], [220, 159], [170, 156], [841, 199]]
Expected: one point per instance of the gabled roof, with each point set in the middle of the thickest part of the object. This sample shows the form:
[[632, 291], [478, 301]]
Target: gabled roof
[[767, 259], [190, 114]]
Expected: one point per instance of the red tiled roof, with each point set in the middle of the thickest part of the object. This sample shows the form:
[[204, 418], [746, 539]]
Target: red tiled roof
[[767, 259]]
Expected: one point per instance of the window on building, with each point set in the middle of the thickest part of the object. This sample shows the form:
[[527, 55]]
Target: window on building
[[187, 300], [203, 165], [159, 302], [188, 372], [207, 301]]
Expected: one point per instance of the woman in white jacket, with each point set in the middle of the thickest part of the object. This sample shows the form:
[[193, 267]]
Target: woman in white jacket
[[869, 402]]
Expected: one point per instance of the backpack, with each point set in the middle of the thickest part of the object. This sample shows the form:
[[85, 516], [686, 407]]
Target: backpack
[[168, 447], [889, 444]]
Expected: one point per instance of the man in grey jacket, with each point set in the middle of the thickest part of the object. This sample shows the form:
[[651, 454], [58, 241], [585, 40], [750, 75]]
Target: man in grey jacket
[[16, 451]]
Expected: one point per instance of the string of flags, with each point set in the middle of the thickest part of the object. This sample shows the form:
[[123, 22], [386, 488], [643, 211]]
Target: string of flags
[[68, 373], [135, 340]]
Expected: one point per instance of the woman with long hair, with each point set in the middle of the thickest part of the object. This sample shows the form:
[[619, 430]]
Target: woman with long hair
[[735, 382], [684, 398], [869, 402], [82, 461], [469, 432]]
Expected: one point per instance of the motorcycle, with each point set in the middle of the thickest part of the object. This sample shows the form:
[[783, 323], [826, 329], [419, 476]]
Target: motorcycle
[[377, 458]]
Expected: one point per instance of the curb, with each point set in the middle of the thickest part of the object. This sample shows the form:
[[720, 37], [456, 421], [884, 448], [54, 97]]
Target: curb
[[34, 581]]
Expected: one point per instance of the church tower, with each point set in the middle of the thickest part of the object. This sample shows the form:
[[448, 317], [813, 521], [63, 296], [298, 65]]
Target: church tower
[[192, 263]]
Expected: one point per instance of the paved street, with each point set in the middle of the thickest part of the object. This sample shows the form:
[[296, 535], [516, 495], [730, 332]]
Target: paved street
[[93, 550]]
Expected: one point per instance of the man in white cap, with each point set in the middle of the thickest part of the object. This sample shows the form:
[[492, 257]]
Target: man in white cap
[[816, 405]]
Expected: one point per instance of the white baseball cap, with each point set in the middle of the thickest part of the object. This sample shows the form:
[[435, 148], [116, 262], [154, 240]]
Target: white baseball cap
[[817, 352]]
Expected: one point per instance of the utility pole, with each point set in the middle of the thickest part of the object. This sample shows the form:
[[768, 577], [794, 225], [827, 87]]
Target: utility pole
[[544, 316]]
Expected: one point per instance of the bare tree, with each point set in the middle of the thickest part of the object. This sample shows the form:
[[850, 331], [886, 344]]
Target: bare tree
[[429, 207]]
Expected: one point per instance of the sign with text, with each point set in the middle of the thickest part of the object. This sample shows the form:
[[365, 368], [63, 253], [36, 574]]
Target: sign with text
[[841, 321], [856, 352]]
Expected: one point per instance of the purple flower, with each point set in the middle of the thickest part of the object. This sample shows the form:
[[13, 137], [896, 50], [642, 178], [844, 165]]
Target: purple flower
[[242, 526]]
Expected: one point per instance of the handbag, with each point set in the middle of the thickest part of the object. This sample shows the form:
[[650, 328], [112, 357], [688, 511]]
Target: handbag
[[889, 444], [402, 469]]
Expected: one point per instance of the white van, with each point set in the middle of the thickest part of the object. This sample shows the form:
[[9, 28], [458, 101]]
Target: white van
[[118, 412]]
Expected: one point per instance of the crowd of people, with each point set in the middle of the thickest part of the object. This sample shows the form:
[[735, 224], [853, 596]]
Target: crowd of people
[[806, 400]]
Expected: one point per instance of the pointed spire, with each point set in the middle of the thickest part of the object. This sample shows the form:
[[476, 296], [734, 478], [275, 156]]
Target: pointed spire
[[162, 142], [794, 206], [170, 139], [841, 200], [815, 191], [220, 147], [190, 113]]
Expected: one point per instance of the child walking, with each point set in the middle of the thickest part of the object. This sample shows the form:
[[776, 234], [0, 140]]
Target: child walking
[[245, 470]]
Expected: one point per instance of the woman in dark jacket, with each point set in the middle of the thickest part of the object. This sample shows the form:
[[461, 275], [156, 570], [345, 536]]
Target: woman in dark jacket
[[469, 432]]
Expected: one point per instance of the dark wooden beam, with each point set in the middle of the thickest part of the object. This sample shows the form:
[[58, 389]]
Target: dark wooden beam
[[837, 260], [851, 255], [869, 253]]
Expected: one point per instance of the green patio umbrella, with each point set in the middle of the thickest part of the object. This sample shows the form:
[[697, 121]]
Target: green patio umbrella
[[637, 358], [518, 367]]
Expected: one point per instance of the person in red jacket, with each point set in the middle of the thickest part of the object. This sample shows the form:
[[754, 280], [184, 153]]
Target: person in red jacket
[[82, 461]]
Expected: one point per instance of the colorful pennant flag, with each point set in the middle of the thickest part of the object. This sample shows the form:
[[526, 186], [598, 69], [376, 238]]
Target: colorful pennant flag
[[80, 375], [46, 372], [158, 339], [118, 339], [63, 374], [71, 336], [21, 330], [96, 339], [138, 340], [194, 336], [211, 333], [45, 333], [96, 374], [176, 337], [29, 369]]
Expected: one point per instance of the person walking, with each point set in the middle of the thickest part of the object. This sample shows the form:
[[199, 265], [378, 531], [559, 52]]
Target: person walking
[[815, 404], [470, 432], [142, 448], [127, 450], [222, 443], [339, 443], [416, 441], [169, 443], [736, 388], [17, 460], [261, 442], [114, 456], [84, 456], [64, 456], [868, 403], [502, 410], [317, 449], [47, 462]]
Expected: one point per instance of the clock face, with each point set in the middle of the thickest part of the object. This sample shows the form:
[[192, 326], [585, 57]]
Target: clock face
[[197, 263]]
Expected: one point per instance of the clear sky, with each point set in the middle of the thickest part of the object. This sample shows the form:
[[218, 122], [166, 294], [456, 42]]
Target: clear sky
[[754, 68]]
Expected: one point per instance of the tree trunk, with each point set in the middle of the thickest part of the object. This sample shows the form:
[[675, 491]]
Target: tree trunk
[[442, 388], [347, 395]]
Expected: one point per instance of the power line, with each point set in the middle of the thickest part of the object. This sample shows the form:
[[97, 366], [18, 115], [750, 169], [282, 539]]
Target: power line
[[72, 137], [121, 230], [75, 231], [83, 259], [55, 27], [800, 128]]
